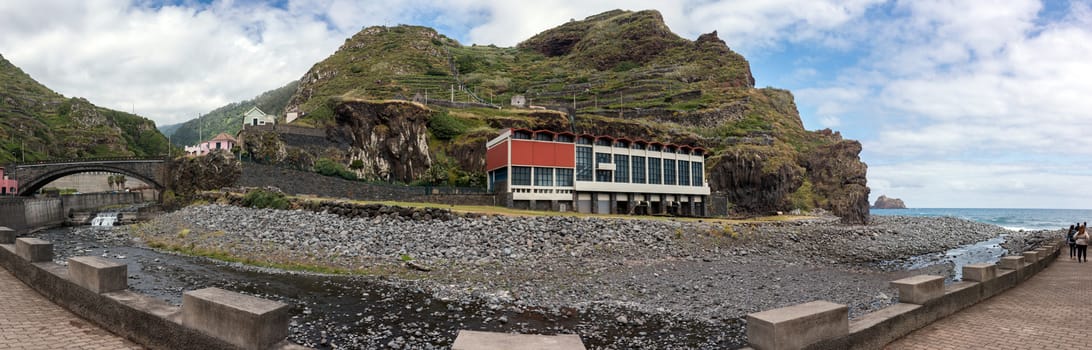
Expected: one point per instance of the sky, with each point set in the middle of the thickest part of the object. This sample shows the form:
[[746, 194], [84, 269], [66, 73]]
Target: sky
[[958, 103]]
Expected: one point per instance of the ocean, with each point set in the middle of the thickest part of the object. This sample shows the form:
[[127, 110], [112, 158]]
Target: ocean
[[1012, 219]]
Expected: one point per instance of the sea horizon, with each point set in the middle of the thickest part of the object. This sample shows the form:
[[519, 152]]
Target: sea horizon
[[1015, 219]]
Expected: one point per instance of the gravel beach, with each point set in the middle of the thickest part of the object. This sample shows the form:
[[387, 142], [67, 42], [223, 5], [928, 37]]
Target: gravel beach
[[704, 274]]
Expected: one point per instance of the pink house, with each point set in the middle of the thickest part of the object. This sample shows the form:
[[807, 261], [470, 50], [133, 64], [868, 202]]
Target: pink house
[[222, 141], [8, 187]]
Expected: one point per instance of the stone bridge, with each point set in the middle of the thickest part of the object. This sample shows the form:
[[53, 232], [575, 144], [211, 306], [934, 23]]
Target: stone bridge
[[32, 176]]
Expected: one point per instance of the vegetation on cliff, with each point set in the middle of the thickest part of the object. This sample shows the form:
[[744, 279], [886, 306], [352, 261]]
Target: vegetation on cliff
[[618, 73], [229, 118], [37, 123]]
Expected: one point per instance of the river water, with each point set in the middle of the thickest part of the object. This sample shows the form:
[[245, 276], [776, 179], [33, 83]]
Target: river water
[[364, 312]]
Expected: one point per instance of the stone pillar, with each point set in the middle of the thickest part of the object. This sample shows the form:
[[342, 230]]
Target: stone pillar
[[97, 274], [797, 326], [595, 203], [33, 249], [7, 235], [919, 289], [613, 203], [245, 321]]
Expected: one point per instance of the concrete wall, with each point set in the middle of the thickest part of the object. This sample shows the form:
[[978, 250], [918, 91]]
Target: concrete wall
[[85, 201], [27, 214], [145, 320], [932, 302]]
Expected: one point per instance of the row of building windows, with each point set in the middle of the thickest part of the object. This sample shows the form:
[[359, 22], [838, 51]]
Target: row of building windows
[[627, 169], [545, 177]]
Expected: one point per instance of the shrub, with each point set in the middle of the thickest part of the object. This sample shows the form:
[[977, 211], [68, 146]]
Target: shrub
[[357, 164], [328, 167], [265, 199], [446, 127]]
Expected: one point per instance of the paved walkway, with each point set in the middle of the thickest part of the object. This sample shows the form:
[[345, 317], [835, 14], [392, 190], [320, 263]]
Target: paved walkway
[[1052, 310], [29, 321]]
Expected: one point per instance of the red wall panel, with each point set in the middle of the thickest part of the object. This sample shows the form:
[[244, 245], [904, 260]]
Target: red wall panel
[[497, 156], [544, 154]]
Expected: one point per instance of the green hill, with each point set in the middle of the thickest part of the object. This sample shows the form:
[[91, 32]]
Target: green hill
[[229, 118], [37, 123]]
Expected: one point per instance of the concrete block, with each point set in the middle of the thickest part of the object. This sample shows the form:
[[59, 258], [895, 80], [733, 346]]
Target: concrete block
[[1031, 257], [797, 326], [475, 340], [919, 289], [33, 249], [1011, 262], [7, 235], [242, 320], [98, 274], [1004, 280], [979, 272]]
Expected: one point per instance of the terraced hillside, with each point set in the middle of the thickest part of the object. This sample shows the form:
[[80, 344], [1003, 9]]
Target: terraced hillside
[[621, 73]]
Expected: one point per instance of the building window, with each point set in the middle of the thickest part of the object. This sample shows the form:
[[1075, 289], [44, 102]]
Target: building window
[[621, 144], [684, 173], [544, 136], [565, 138], [602, 142], [584, 140], [217, 145], [696, 171], [654, 148], [544, 177], [654, 171], [521, 135], [669, 172], [565, 177], [521, 176], [583, 163], [498, 176], [602, 175], [621, 170], [638, 145], [638, 170]]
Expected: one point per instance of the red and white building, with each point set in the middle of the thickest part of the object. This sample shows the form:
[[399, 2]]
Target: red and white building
[[548, 170], [8, 187]]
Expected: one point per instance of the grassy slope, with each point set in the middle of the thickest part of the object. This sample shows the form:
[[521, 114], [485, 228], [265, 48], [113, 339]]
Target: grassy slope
[[41, 124]]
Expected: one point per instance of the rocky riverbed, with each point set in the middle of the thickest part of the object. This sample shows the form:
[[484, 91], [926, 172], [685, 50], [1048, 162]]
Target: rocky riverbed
[[658, 283]]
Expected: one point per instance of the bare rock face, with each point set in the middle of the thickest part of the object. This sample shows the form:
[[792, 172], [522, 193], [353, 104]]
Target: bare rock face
[[187, 175], [885, 202], [837, 173], [756, 180], [390, 137]]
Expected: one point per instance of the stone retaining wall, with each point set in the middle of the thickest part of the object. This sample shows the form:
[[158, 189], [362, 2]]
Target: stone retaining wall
[[343, 208], [922, 300], [145, 320]]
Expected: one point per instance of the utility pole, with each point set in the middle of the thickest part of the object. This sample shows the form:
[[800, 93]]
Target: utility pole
[[452, 93], [23, 149], [619, 104]]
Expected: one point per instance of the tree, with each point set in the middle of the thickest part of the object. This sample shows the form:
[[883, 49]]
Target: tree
[[110, 180], [120, 180]]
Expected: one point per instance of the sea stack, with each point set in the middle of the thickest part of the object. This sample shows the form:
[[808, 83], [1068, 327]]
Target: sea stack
[[888, 203]]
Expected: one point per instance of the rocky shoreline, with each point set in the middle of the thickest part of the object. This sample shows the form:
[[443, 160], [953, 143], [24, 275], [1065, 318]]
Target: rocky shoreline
[[700, 273]]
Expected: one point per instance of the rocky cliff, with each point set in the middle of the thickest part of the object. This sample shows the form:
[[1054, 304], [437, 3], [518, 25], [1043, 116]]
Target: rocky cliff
[[618, 73], [885, 202]]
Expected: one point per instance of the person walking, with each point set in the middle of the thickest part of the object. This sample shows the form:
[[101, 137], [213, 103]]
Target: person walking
[[1081, 240], [1069, 240]]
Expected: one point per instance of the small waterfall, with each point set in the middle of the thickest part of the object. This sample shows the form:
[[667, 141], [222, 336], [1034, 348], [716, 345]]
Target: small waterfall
[[104, 219]]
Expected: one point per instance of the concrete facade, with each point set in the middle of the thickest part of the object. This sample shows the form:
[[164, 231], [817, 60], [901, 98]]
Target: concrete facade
[[245, 321], [8, 187], [100, 275], [475, 340], [544, 170]]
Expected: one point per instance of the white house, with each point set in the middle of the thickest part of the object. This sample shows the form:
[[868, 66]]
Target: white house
[[255, 116], [291, 114]]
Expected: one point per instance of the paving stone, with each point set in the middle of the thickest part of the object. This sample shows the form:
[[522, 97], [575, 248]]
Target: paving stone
[[1042, 313], [29, 321]]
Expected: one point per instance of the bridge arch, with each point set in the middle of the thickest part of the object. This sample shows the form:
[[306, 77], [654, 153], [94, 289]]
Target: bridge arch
[[30, 186]]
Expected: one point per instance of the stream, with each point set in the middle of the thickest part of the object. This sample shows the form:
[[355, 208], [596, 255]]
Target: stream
[[331, 311]]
